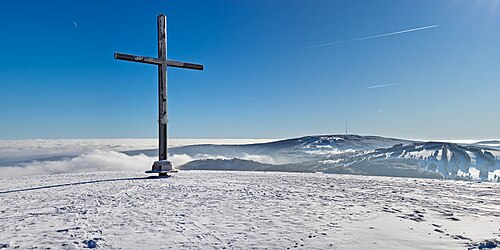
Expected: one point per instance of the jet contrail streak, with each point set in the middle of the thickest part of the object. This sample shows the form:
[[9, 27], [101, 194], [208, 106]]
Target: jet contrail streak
[[76, 25], [383, 86], [376, 36]]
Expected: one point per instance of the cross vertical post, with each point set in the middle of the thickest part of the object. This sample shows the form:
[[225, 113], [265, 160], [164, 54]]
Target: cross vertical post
[[162, 89], [162, 166]]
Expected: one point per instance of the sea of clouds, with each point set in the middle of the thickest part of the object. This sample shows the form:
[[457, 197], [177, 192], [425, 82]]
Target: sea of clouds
[[41, 156]]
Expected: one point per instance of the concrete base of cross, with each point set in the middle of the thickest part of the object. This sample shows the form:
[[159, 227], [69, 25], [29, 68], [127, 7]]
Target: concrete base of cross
[[161, 167]]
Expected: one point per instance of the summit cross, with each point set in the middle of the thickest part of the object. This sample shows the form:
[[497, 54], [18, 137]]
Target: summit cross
[[162, 166]]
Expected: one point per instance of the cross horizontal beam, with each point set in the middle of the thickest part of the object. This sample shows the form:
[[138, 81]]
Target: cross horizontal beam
[[157, 61], [142, 59]]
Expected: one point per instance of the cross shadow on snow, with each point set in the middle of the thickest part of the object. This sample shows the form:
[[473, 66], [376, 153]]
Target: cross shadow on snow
[[81, 183]]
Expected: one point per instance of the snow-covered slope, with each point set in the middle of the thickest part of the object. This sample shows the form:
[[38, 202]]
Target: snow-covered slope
[[450, 160], [368, 155], [292, 150], [245, 210], [320, 144]]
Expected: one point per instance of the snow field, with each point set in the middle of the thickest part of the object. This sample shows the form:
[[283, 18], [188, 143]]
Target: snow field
[[217, 210]]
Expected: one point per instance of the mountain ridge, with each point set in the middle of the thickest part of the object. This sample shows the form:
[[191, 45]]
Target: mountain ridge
[[356, 154]]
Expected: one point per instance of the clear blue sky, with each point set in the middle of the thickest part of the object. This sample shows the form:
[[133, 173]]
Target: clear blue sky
[[261, 78]]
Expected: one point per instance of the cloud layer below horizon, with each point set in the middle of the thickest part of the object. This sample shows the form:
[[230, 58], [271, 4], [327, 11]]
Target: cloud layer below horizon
[[33, 157]]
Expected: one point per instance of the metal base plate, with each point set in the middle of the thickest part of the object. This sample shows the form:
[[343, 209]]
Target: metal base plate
[[157, 172]]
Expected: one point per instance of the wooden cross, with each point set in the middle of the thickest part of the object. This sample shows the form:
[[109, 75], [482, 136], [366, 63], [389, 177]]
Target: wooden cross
[[162, 166]]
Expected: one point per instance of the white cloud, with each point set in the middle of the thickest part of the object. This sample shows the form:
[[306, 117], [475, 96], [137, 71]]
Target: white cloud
[[260, 158], [102, 160], [32, 157], [178, 160], [97, 160], [16, 151]]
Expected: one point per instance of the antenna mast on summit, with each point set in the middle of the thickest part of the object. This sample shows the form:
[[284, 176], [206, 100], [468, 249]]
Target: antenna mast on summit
[[346, 128]]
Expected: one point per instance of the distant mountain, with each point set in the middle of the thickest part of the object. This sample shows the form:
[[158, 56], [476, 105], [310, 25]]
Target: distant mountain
[[238, 165], [353, 154], [449, 160], [494, 144], [294, 150]]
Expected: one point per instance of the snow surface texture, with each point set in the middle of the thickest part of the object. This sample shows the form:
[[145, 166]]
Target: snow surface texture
[[216, 209]]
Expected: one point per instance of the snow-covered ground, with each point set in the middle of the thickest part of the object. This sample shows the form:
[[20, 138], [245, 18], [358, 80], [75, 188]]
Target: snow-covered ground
[[216, 210]]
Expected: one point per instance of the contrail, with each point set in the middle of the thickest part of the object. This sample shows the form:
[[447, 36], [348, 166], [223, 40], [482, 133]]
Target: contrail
[[376, 36], [76, 25], [383, 85]]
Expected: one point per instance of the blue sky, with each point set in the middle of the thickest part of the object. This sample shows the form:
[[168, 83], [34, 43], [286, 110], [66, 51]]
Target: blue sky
[[263, 77]]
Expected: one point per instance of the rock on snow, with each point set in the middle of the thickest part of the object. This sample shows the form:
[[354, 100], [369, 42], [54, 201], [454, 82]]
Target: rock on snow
[[217, 210]]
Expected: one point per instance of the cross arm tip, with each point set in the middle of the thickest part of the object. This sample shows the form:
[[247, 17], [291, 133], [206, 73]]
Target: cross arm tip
[[194, 66], [184, 65]]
